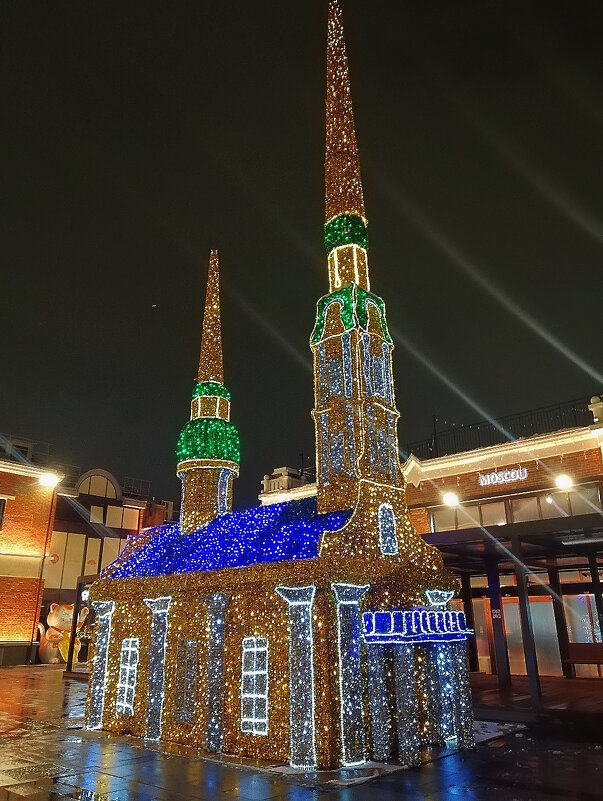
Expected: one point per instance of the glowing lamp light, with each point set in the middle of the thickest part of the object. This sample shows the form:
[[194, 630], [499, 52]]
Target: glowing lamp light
[[548, 499], [564, 481], [48, 480], [450, 499]]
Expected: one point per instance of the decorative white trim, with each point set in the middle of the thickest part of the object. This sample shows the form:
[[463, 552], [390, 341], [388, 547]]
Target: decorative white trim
[[19, 469], [494, 457], [280, 496]]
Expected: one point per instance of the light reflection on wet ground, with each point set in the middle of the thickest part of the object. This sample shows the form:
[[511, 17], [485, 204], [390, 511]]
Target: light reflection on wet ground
[[45, 754]]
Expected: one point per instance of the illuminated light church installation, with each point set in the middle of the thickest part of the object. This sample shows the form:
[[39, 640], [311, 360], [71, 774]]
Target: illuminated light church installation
[[316, 631]]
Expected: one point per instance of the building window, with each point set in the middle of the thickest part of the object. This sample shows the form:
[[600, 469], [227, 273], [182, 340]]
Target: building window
[[186, 681], [585, 500], [388, 542], [2, 506], [494, 514], [130, 518], [467, 516], [443, 520], [96, 514], [128, 668], [555, 504], [525, 509], [254, 686]]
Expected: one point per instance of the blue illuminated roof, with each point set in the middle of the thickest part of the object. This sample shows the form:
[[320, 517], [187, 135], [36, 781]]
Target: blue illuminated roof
[[279, 532]]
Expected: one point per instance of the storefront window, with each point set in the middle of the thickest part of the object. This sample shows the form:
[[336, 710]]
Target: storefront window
[[524, 509], [494, 514], [468, 516], [585, 500], [443, 520], [555, 504]]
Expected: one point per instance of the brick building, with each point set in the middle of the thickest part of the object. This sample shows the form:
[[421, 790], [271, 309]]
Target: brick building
[[55, 527], [515, 507], [27, 508]]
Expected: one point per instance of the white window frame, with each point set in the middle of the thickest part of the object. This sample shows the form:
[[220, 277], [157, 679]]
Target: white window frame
[[254, 685], [128, 670]]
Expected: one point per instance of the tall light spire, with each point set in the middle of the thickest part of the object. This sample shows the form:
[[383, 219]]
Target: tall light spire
[[342, 170], [208, 448], [345, 219], [211, 367]]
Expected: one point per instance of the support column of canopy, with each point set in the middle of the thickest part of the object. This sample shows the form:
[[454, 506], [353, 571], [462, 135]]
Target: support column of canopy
[[503, 670], [155, 684], [302, 735], [527, 628], [214, 703], [467, 598], [98, 678], [353, 740]]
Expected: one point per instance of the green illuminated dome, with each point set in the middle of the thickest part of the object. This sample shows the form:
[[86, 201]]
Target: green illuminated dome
[[209, 438]]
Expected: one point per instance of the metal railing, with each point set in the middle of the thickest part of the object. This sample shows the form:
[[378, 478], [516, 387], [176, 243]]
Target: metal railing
[[138, 488], [571, 414]]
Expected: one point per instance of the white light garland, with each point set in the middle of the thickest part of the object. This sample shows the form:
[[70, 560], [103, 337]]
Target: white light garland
[[98, 678]]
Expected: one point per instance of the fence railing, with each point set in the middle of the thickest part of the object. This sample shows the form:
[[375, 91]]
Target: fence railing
[[571, 414]]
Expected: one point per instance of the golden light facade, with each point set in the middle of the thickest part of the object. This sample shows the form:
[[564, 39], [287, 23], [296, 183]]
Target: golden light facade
[[297, 632]]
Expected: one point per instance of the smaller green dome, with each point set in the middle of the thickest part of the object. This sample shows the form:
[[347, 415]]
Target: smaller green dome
[[211, 388], [345, 229], [209, 438]]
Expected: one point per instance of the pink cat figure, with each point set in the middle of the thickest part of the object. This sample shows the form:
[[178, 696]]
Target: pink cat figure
[[54, 641]]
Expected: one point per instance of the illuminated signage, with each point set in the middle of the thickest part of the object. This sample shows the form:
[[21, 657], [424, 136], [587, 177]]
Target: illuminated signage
[[503, 476]]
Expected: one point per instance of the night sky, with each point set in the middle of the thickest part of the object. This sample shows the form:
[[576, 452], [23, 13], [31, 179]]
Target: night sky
[[137, 136]]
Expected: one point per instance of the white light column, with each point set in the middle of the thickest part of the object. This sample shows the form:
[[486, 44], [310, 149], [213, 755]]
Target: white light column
[[462, 692], [216, 607], [159, 626], [301, 676], [104, 612], [381, 728], [406, 704], [353, 741]]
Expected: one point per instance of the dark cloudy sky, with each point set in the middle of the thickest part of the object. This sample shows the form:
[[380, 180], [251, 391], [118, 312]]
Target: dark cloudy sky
[[137, 136]]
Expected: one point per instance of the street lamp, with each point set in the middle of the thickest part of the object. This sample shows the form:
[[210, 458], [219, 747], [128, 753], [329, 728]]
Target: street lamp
[[564, 481], [48, 480], [450, 499]]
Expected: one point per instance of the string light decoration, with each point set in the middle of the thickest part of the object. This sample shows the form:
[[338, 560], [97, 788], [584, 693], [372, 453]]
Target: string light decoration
[[209, 450], [315, 631]]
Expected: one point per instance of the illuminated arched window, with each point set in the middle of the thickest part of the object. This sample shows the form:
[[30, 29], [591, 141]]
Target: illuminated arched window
[[388, 541]]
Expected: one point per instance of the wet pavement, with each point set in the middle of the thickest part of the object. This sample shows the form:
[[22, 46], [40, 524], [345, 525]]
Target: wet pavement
[[46, 754]]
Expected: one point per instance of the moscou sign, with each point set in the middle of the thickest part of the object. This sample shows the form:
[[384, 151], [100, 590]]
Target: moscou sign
[[503, 476]]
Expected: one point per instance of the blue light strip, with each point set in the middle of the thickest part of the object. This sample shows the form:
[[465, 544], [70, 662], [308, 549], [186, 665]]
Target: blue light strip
[[274, 533], [414, 626]]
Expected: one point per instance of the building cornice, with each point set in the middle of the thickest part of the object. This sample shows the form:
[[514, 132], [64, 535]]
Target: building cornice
[[18, 469], [494, 457], [293, 494]]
